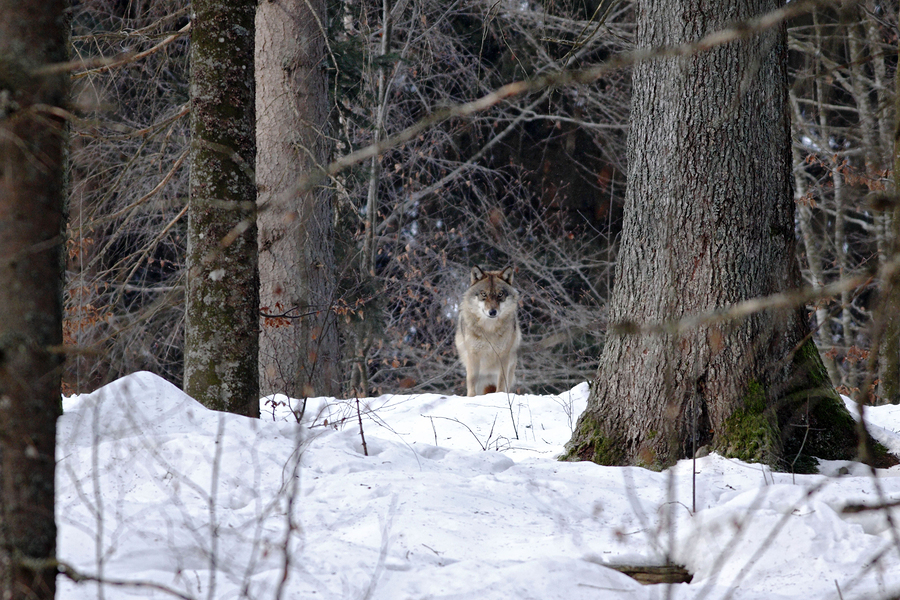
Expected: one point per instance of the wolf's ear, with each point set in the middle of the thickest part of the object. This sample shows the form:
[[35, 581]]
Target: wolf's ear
[[477, 274], [507, 275]]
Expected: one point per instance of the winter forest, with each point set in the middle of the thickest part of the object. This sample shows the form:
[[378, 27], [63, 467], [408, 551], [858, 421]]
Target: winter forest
[[536, 181], [275, 207]]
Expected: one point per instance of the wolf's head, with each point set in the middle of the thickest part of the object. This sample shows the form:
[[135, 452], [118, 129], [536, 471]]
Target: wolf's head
[[492, 292]]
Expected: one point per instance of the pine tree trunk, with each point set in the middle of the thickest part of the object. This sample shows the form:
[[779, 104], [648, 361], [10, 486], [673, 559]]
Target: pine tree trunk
[[709, 222], [299, 351], [889, 359], [222, 330], [33, 34]]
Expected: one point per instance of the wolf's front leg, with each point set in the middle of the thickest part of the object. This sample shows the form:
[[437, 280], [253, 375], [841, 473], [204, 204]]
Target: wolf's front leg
[[472, 381], [507, 381]]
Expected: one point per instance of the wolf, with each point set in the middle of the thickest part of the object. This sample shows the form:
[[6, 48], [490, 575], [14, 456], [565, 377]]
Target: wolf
[[487, 334]]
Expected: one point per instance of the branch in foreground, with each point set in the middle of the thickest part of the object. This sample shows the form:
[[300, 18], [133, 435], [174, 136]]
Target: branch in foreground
[[100, 65], [748, 307], [850, 509], [70, 572], [737, 31]]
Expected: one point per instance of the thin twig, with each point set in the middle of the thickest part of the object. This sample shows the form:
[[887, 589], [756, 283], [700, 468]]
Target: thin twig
[[166, 179], [362, 433], [737, 31], [123, 60], [78, 577]]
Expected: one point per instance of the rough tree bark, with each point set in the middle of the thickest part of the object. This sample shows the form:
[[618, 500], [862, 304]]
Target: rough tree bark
[[299, 351], [709, 223], [33, 34], [889, 362], [222, 329]]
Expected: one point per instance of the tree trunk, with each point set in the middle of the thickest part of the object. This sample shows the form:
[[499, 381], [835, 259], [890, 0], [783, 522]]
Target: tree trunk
[[845, 269], [299, 351], [814, 260], [709, 222], [33, 34], [222, 329], [889, 359]]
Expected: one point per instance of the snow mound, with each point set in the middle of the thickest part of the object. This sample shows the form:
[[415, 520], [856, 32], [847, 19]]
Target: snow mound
[[449, 498]]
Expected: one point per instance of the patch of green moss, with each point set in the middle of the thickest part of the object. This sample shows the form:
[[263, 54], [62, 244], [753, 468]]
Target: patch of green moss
[[751, 432], [590, 442], [809, 363], [815, 422], [882, 457], [821, 417], [807, 422]]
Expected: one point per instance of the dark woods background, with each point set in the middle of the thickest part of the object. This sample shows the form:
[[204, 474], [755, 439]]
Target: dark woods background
[[536, 182]]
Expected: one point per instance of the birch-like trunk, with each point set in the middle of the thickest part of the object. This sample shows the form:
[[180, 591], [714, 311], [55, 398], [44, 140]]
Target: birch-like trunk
[[299, 351], [222, 328], [887, 225], [804, 218], [33, 35], [709, 222]]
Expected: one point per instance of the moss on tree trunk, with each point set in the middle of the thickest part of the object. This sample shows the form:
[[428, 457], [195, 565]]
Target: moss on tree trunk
[[789, 432], [222, 312], [806, 422], [709, 223]]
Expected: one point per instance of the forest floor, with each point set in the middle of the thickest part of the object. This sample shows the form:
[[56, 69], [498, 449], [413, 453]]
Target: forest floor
[[458, 498]]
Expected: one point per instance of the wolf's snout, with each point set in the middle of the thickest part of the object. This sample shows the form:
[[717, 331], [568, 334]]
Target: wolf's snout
[[492, 313]]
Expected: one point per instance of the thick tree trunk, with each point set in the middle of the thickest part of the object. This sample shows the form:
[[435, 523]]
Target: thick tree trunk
[[299, 351], [708, 223], [33, 34], [222, 332]]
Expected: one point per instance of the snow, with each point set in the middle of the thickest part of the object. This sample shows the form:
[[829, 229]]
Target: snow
[[458, 498]]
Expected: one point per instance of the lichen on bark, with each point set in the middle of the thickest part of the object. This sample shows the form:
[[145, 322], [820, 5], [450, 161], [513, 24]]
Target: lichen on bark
[[222, 312]]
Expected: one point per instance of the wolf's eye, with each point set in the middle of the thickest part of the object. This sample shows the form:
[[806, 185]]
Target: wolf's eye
[[501, 296], [483, 295]]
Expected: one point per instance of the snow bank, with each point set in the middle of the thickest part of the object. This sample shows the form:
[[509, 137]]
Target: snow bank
[[458, 498]]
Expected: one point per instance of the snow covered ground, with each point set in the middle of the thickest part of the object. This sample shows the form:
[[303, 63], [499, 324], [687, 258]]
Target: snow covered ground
[[458, 498]]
